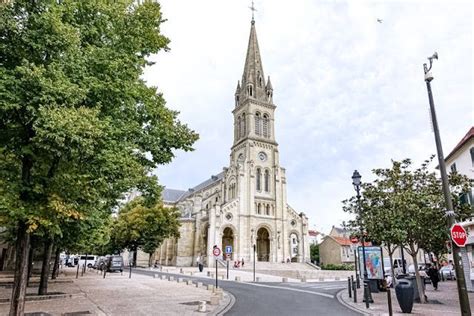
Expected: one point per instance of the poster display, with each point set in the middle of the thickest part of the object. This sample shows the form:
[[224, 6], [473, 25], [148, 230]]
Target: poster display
[[373, 262]]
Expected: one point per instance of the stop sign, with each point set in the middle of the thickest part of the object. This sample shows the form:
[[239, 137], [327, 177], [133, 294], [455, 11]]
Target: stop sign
[[458, 235]]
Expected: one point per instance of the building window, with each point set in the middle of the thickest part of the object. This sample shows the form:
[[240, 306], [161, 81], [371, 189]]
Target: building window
[[267, 211], [250, 90], [453, 167], [258, 123], [267, 181], [259, 179], [243, 127], [266, 132], [238, 127], [472, 155], [259, 208]]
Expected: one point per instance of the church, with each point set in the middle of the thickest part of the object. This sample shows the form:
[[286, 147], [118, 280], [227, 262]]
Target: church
[[244, 206]]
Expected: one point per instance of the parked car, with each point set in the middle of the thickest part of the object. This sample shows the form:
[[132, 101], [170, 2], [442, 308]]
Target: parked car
[[114, 263], [88, 260], [448, 273]]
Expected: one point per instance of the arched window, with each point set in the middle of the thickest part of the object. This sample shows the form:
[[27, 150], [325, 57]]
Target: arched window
[[250, 90], [259, 208], [259, 179], [267, 210], [236, 100], [238, 127], [258, 123], [267, 181], [243, 129], [266, 132]]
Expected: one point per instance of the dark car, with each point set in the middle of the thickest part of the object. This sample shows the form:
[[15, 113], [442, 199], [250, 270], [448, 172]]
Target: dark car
[[115, 263]]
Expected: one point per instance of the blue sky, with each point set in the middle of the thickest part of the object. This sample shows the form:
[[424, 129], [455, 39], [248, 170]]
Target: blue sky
[[349, 91]]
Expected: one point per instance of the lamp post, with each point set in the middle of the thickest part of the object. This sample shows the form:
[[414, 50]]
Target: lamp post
[[356, 182], [462, 290]]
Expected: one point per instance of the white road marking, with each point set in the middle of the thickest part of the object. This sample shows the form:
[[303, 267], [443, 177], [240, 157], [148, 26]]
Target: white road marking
[[293, 289]]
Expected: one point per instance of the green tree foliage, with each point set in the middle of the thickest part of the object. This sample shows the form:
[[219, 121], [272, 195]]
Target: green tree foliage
[[314, 253], [139, 226], [398, 207], [78, 125]]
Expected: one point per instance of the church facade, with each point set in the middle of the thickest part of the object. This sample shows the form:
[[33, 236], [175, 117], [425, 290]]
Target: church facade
[[244, 206]]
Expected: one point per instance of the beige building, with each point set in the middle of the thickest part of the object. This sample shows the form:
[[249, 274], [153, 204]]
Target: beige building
[[245, 205]]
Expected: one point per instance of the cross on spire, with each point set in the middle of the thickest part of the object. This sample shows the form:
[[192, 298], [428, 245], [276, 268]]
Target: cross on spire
[[252, 8]]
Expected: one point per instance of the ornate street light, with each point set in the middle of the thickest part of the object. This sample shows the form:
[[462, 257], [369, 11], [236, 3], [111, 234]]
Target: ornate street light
[[356, 182]]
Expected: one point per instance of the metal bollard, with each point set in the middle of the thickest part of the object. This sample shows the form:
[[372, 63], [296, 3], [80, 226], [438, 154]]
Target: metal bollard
[[358, 281], [389, 302], [366, 294], [349, 286], [354, 287]]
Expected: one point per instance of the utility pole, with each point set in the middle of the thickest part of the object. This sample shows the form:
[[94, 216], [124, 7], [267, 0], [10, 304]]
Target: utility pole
[[462, 290]]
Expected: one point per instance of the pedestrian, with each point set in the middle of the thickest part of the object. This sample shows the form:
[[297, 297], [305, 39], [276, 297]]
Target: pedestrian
[[199, 263], [433, 273], [243, 262]]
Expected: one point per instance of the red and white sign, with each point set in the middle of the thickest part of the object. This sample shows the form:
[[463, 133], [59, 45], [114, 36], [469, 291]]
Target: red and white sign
[[458, 235], [216, 251], [354, 240]]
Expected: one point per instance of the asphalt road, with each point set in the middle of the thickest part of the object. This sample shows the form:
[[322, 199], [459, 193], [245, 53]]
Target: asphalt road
[[278, 298]]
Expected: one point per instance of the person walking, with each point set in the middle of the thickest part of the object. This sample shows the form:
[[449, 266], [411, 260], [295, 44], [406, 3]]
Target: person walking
[[433, 273], [243, 262]]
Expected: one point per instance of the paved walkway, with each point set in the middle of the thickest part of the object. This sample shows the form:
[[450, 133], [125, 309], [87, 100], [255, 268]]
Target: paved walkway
[[118, 295], [443, 302]]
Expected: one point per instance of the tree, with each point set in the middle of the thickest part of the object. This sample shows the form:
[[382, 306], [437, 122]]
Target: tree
[[400, 203], [79, 126], [314, 253], [144, 227]]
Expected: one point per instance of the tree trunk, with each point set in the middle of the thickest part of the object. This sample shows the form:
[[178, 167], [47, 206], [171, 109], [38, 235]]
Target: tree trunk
[[56, 263], [421, 291], [392, 269], [135, 257], [45, 268], [17, 306], [30, 260]]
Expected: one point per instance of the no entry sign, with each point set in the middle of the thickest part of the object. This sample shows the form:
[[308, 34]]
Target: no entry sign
[[458, 235], [216, 251]]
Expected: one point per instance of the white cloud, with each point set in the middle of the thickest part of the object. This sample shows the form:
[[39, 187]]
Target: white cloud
[[349, 89]]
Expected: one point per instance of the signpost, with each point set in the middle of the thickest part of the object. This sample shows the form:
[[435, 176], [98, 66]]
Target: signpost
[[216, 251], [355, 241], [458, 235]]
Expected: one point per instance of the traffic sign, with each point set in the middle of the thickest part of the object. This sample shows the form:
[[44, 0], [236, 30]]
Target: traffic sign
[[458, 235], [216, 251], [228, 249], [354, 239]]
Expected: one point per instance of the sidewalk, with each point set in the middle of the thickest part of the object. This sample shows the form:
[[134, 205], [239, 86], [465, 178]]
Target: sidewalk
[[445, 301], [119, 295]]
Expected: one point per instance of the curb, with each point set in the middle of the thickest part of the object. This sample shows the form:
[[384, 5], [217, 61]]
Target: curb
[[224, 308], [349, 306]]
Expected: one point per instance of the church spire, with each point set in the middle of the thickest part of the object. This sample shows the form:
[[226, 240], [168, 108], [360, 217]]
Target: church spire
[[253, 80]]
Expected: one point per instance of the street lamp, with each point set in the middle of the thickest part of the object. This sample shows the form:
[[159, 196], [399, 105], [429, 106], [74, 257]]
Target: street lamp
[[356, 182], [462, 290]]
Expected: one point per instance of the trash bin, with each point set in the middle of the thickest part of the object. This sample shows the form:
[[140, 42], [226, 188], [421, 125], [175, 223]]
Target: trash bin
[[405, 291], [416, 294]]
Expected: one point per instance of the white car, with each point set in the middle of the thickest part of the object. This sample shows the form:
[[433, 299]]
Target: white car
[[448, 273]]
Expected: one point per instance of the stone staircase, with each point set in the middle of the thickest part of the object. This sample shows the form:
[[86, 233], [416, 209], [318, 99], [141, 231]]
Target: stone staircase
[[297, 270]]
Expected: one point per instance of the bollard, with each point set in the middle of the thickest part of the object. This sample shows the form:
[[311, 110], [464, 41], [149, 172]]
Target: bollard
[[171, 278], [202, 306], [366, 294], [284, 280], [358, 281], [354, 288], [389, 302], [349, 286], [237, 279], [189, 282]]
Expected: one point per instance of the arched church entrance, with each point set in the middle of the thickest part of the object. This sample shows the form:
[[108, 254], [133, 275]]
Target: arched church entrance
[[263, 245], [228, 240]]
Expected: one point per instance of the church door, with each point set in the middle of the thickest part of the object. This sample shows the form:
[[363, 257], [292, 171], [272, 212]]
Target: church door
[[263, 245], [228, 240]]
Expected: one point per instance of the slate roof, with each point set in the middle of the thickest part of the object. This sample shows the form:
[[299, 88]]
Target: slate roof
[[171, 195]]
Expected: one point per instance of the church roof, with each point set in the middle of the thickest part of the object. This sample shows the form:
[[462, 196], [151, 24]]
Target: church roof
[[174, 196], [171, 195]]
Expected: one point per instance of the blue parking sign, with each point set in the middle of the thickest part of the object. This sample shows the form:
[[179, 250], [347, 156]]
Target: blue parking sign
[[228, 249]]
